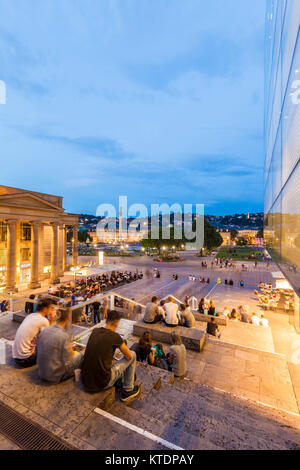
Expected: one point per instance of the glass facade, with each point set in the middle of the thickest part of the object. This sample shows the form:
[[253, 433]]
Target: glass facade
[[282, 140]]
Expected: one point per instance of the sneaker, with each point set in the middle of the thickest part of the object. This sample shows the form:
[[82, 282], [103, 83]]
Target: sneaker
[[127, 397]]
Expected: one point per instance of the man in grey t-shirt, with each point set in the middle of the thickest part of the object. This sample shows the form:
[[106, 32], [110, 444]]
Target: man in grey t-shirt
[[177, 356], [55, 358], [152, 314], [186, 317]]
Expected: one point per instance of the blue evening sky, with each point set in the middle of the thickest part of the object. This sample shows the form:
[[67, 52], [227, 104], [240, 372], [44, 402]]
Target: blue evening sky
[[159, 100]]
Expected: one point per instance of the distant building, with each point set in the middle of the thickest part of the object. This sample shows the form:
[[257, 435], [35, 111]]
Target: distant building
[[226, 235], [114, 237], [33, 238]]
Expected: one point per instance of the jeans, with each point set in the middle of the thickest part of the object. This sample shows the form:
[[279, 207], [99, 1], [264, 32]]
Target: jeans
[[97, 316], [72, 366], [158, 318], [126, 369], [28, 362]]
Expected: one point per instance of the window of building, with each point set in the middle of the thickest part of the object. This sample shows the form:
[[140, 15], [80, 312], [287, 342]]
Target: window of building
[[3, 232], [25, 232]]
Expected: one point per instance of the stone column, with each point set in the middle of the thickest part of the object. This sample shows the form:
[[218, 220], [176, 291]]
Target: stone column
[[54, 253], [34, 284], [64, 248], [60, 250], [11, 256], [41, 251], [75, 245]]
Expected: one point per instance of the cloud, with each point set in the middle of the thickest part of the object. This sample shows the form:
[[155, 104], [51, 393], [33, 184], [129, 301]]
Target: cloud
[[159, 100], [92, 146]]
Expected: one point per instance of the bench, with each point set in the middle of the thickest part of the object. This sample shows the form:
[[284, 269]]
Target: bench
[[221, 321], [192, 339]]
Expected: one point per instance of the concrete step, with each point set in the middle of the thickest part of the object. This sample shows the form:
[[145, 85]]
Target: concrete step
[[218, 418], [152, 377], [168, 432]]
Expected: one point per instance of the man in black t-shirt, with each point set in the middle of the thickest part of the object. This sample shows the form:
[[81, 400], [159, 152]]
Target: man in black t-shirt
[[97, 371]]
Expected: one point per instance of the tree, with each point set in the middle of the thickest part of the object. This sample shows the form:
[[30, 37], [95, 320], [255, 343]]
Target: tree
[[241, 241], [212, 238], [162, 241], [260, 233], [83, 236], [234, 233]]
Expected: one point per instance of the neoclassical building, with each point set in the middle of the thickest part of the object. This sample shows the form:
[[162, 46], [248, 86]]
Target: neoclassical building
[[33, 238]]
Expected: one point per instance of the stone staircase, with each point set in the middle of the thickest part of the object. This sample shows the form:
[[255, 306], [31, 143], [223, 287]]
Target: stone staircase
[[194, 416]]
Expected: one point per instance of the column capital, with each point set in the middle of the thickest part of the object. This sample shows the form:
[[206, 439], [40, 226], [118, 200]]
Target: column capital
[[35, 223], [12, 221]]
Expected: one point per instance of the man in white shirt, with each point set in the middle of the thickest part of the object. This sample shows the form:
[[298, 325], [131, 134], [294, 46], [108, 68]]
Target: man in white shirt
[[24, 346], [255, 320], [171, 309], [264, 322]]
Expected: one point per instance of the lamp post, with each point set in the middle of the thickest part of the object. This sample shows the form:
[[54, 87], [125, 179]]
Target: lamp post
[[74, 269]]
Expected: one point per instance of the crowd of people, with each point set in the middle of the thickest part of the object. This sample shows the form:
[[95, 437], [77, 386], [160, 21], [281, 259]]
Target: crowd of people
[[85, 289], [242, 314], [42, 340], [270, 298]]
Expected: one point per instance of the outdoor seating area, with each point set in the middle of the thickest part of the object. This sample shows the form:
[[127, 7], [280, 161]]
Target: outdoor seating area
[[271, 298], [84, 289]]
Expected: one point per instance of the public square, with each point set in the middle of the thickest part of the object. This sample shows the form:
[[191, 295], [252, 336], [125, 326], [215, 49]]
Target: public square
[[244, 380]]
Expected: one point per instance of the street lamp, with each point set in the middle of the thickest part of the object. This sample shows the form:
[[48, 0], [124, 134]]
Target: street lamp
[[74, 269]]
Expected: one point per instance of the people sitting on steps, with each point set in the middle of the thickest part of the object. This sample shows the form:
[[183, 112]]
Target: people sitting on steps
[[153, 355], [143, 349], [24, 345], [56, 359], [177, 356], [98, 372], [213, 329], [152, 313], [171, 309], [186, 317]]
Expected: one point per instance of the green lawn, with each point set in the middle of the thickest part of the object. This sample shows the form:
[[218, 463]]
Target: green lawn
[[240, 255]]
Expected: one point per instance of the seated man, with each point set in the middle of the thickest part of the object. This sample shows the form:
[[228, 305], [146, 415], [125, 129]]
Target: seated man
[[24, 346], [171, 309], [244, 314], [177, 356], [186, 317], [152, 314], [213, 329], [255, 320], [97, 371], [264, 321], [55, 357]]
